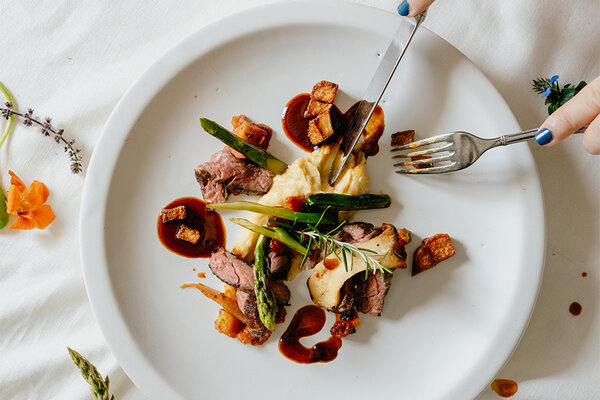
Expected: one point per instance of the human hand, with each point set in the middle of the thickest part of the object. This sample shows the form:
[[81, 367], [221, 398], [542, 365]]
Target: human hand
[[413, 7], [581, 110]]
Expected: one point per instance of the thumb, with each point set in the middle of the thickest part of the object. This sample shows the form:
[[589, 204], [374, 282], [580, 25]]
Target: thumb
[[574, 114], [413, 7]]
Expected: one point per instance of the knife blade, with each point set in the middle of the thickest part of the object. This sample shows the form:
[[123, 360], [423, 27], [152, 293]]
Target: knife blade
[[375, 90]]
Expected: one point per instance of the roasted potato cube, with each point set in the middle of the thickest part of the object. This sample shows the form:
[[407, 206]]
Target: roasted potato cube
[[228, 324], [256, 134], [425, 165], [434, 250], [324, 91], [372, 132], [345, 323], [244, 335], [188, 234], [229, 291], [403, 137], [316, 107], [320, 128], [170, 214]]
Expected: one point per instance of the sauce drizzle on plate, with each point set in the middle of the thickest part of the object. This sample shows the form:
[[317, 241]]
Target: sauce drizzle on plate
[[308, 321]]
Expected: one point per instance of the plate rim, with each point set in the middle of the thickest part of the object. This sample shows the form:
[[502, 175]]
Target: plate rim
[[120, 123]]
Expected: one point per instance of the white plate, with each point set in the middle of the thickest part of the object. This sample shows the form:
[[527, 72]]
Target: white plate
[[443, 335]]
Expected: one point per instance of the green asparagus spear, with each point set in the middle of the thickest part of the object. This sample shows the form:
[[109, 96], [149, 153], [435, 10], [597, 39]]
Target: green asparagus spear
[[278, 234], [253, 153], [346, 202], [281, 212], [265, 300], [98, 386]]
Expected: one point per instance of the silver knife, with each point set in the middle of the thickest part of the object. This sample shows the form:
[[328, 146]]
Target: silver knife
[[379, 83]]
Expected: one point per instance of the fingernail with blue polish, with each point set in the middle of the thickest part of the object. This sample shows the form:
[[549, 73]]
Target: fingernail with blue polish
[[403, 8], [543, 136]]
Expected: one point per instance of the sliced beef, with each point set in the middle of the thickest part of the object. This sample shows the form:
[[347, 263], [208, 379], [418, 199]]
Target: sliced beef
[[371, 300], [280, 292], [366, 295], [235, 272], [247, 304], [224, 174], [356, 232], [280, 259], [231, 270]]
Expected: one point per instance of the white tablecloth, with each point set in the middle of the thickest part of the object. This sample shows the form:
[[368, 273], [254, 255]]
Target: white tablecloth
[[72, 60]]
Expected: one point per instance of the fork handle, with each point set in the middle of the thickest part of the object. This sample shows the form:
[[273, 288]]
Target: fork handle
[[525, 136]]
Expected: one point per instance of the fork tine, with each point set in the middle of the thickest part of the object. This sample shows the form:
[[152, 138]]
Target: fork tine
[[432, 170], [423, 152], [423, 142], [425, 161]]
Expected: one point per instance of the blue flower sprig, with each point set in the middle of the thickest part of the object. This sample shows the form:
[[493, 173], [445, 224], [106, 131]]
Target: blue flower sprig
[[555, 95]]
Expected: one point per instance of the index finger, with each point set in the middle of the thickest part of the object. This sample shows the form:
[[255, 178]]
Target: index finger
[[413, 8]]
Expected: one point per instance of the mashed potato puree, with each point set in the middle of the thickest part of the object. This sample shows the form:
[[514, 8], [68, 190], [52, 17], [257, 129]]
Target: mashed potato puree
[[305, 176]]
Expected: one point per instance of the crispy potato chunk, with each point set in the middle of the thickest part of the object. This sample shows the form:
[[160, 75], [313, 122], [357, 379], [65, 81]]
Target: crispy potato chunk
[[170, 214], [316, 107], [320, 128], [345, 323], [403, 137], [373, 132], [420, 166], [228, 324], [406, 137], [324, 91], [188, 234], [244, 335], [434, 250], [256, 134], [229, 291]]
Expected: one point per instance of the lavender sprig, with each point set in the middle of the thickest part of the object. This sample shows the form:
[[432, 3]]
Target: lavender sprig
[[47, 130]]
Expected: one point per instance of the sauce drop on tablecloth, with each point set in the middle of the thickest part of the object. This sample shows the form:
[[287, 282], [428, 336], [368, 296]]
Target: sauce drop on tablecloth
[[504, 387], [575, 308]]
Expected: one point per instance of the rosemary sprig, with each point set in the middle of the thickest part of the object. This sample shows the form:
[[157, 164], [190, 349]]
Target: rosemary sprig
[[98, 386], [8, 112], [348, 251], [555, 96]]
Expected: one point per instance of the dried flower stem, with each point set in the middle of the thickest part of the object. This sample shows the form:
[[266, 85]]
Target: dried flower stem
[[8, 113], [98, 386]]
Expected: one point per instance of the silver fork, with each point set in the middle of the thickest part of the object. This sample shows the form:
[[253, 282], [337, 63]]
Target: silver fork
[[452, 151]]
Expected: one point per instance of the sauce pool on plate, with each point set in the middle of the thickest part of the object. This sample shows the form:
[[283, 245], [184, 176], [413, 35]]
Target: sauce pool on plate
[[294, 124], [308, 321], [208, 223]]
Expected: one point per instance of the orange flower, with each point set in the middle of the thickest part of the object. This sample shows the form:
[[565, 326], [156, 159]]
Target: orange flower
[[28, 204]]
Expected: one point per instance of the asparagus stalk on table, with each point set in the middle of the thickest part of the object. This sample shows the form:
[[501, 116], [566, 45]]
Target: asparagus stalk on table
[[265, 300], [98, 386], [253, 153]]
